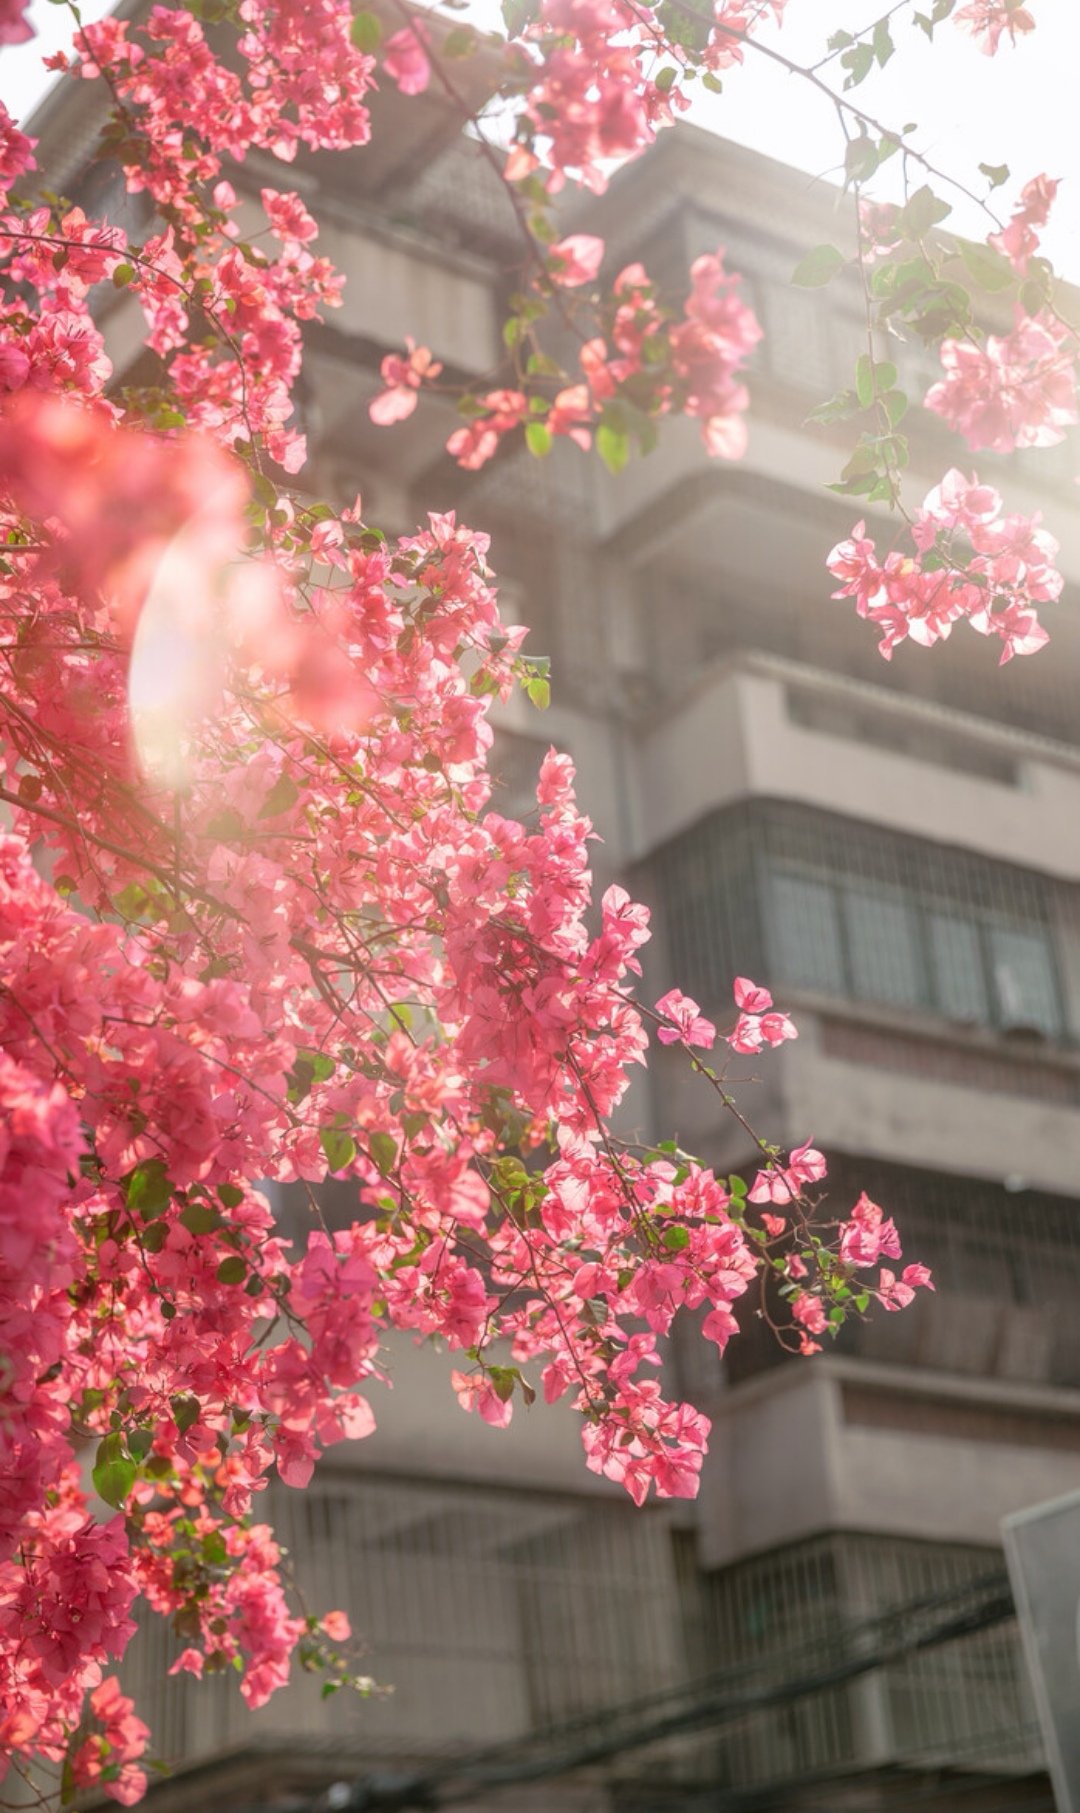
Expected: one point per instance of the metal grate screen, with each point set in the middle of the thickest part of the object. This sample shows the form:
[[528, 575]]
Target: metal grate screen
[[964, 1703], [817, 902], [489, 1613]]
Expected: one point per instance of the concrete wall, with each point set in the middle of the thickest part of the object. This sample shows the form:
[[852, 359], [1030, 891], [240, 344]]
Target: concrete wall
[[799, 1451]]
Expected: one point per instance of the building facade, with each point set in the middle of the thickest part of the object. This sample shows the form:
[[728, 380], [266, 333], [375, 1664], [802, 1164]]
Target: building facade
[[895, 850]]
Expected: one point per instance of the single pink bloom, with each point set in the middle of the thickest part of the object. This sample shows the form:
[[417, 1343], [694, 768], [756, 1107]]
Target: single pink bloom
[[575, 260], [405, 59], [690, 1026]]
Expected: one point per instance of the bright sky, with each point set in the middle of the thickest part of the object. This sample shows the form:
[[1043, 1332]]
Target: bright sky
[[1019, 108]]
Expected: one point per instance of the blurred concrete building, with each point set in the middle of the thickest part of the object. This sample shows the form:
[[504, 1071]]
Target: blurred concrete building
[[895, 850]]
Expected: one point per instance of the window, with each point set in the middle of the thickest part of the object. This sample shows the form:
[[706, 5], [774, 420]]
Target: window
[[873, 942], [1024, 979], [882, 938], [959, 978], [812, 901], [804, 932]]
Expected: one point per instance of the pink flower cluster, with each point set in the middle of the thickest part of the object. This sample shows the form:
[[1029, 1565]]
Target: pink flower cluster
[[15, 27], [658, 364], [759, 1023], [1016, 390], [1019, 241], [595, 101], [991, 20], [109, 1757], [319, 952], [969, 562]]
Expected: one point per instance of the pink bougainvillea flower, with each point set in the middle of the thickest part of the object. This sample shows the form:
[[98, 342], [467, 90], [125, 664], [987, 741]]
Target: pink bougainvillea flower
[[896, 1293], [1001, 569], [759, 1023], [403, 378], [575, 260], [782, 1183], [15, 27], [688, 1023], [991, 20], [868, 1235], [406, 61]]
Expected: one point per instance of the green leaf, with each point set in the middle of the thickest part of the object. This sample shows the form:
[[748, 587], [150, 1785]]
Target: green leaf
[[896, 406], [366, 33], [613, 446], [186, 1412], [383, 1148], [517, 14], [539, 693], [883, 45], [230, 1195], [860, 159], [283, 794], [995, 174], [461, 42], [538, 439], [232, 1270], [838, 408], [864, 380], [200, 1218], [858, 61], [818, 267], [114, 1470], [214, 1550], [923, 211], [310, 1067], [502, 1379], [139, 1442], [265, 489], [147, 1190], [339, 1148], [122, 276], [990, 270], [676, 1239]]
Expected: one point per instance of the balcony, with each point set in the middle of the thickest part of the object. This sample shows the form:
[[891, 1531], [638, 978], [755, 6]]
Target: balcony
[[964, 1704], [758, 724]]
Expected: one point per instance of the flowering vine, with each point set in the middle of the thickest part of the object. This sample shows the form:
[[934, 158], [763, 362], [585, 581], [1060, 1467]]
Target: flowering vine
[[259, 921]]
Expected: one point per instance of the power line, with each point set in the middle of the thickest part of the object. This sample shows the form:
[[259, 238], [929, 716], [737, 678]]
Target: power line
[[843, 1654]]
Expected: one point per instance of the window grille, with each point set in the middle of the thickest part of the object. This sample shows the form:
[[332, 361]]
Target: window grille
[[489, 1612], [798, 342], [1006, 1268], [964, 1703], [809, 900], [1006, 1263]]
